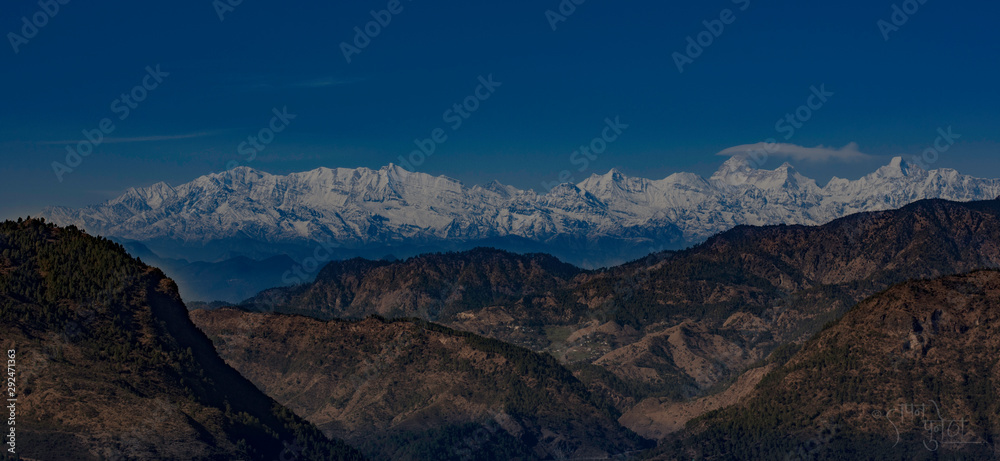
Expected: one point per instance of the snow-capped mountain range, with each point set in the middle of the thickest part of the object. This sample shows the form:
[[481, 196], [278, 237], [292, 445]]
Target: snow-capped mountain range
[[603, 219]]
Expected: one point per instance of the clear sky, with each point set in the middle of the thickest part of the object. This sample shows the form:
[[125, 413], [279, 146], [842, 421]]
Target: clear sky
[[219, 81]]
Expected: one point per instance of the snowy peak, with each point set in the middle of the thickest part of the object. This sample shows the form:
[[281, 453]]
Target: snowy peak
[[238, 175], [497, 188], [365, 208], [738, 172], [613, 180], [397, 174], [613, 175], [735, 169], [897, 168]]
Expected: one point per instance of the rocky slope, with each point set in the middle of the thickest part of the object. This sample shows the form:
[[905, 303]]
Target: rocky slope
[[109, 366], [911, 373], [601, 221], [414, 390], [672, 325], [432, 287]]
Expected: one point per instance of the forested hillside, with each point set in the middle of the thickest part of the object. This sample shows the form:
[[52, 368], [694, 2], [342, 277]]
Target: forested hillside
[[911, 373], [409, 389], [669, 327], [111, 367]]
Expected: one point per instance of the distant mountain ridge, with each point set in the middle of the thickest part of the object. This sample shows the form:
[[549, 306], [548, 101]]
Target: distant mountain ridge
[[603, 220], [655, 333]]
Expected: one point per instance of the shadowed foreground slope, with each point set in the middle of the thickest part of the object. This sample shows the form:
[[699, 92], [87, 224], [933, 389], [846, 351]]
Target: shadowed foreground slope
[[109, 366]]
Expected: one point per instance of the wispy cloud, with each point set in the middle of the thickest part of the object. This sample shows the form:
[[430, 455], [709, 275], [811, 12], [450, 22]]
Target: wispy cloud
[[137, 138], [262, 83], [321, 82], [848, 153]]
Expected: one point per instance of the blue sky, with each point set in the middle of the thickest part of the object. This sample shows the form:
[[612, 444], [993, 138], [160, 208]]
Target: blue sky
[[225, 78]]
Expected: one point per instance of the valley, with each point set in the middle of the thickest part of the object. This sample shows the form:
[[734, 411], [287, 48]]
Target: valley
[[533, 358]]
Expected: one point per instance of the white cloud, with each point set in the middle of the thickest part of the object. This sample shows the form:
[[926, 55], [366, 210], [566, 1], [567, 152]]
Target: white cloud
[[136, 139], [848, 153]]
